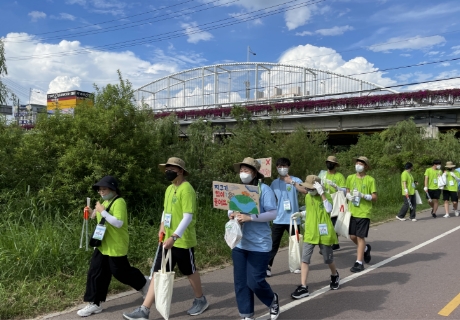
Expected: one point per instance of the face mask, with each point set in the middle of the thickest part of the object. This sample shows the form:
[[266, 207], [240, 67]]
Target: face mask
[[359, 168], [313, 193], [283, 171], [245, 177], [330, 165], [170, 175], [108, 196], [438, 166]]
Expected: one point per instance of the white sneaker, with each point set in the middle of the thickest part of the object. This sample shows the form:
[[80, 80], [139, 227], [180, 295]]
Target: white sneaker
[[297, 271], [400, 219], [446, 215], [269, 271], [145, 288], [414, 220], [457, 213], [89, 310]]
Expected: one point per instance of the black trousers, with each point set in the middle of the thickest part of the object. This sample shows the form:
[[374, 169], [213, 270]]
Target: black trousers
[[405, 207], [100, 273], [277, 233]]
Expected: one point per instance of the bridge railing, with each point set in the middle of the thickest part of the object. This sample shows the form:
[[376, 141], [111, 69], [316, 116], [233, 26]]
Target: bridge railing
[[400, 100]]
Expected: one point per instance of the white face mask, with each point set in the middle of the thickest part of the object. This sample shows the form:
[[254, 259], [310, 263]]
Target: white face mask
[[245, 177], [359, 168], [283, 171], [438, 166], [313, 193]]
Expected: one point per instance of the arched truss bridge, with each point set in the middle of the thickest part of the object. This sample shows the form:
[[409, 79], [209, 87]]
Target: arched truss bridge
[[248, 83]]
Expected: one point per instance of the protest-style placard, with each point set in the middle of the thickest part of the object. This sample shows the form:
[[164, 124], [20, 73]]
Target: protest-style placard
[[236, 197], [265, 166]]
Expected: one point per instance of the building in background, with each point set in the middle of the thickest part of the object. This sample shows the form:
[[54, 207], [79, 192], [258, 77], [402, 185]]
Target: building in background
[[66, 102]]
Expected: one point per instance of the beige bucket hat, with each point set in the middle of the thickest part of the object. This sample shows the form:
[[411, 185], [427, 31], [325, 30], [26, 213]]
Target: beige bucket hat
[[333, 159], [450, 164], [363, 159], [309, 181], [178, 162], [250, 162]]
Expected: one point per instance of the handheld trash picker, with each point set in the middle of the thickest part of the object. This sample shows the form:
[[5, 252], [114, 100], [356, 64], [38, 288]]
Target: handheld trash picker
[[428, 196], [410, 203], [156, 255], [84, 228]]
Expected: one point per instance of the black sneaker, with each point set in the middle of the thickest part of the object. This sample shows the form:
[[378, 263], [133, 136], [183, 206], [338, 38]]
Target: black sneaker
[[336, 247], [358, 267], [335, 281], [433, 214], [300, 292], [367, 254], [275, 308]]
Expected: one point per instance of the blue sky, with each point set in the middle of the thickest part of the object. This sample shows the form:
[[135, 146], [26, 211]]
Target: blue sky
[[148, 40]]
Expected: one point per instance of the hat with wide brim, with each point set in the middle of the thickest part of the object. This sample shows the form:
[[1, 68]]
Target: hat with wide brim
[[450, 164], [333, 159], [174, 161], [310, 181], [250, 162], [363, 159], [107, 182]]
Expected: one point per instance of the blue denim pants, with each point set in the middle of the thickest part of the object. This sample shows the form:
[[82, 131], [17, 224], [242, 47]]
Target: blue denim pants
[[249, 272]]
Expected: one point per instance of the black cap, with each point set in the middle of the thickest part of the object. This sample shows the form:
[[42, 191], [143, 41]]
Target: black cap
[[108, 182]]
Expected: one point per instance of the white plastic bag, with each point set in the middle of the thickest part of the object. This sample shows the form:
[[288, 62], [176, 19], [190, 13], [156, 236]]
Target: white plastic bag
[[339, 202], [442, 181], [233, 233], [295, 247], [342, 224], [163, 286], [418, 199]]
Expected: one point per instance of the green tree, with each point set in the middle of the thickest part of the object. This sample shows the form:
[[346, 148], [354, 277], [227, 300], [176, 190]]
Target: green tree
[[4, 93]]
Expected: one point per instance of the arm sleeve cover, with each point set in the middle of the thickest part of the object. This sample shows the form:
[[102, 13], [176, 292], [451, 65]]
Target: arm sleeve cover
[[111, 219], [183, 224], [264, 216]]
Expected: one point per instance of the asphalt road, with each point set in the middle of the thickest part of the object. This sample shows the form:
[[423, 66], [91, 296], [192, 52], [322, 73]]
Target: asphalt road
[[413, 274]]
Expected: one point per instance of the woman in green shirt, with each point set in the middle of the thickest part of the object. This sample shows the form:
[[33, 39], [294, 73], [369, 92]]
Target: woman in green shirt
[[408, 192], [110, 258]]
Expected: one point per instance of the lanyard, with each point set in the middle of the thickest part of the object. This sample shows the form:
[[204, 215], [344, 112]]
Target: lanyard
[[169, 198]]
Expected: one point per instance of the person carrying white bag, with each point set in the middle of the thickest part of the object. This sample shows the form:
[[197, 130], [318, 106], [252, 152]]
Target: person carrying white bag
[[164, 285], [178, 224], [295, 246], [318, 231]]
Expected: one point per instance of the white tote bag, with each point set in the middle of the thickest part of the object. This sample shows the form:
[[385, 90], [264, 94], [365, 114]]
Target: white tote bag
[[342, 224], [295, 247], [442, 181], [418, 199], [233, 233], [163, 284], [339, 203]]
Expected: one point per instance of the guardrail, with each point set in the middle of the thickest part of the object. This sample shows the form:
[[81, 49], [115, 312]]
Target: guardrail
[[397, 100]]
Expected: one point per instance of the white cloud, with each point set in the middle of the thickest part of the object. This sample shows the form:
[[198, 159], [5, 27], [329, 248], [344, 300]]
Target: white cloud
[[97, 66], [405, 55], [194, 33], [112, 7], [445, 84], [80, 2], [63, 16], [417, 42], [328, 59], [334, 31], [35, 15], [64, 83], [297, 18]]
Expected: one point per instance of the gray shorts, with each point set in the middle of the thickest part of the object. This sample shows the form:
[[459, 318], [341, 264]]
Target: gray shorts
[[307, 251]]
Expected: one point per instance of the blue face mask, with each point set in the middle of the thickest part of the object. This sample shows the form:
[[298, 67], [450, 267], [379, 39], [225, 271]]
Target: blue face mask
[[109, 196]]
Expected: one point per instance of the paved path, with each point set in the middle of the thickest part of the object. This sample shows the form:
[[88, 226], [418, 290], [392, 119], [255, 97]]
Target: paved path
[[413, 275]]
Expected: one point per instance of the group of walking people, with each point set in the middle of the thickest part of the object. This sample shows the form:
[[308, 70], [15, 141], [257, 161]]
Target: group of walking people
[[254, 255]]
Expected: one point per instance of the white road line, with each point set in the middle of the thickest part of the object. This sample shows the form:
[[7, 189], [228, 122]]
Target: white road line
[[319, 292]]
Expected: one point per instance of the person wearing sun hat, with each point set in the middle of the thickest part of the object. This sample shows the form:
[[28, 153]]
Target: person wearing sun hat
[[110, 258], [361, 192], [178, 226], [251, 255], [319, 230], [335, 182], [450, 191]]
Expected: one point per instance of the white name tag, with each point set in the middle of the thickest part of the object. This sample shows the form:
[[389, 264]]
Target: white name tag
[[287, 205], [413, 185], [99, 232], [451, 183], [167, 222], [435, 180], [323, 229]]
